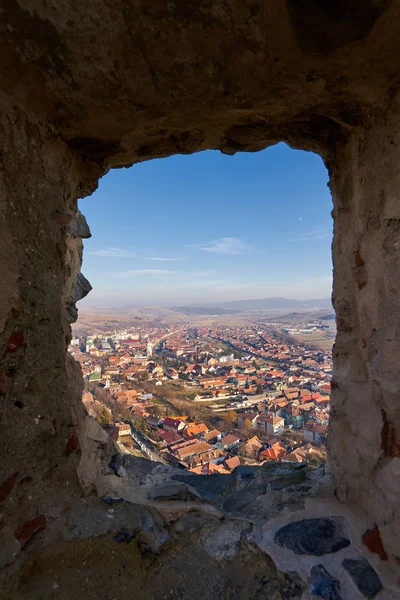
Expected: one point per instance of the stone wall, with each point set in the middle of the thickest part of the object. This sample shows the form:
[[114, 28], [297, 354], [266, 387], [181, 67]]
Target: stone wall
[[364, 443]]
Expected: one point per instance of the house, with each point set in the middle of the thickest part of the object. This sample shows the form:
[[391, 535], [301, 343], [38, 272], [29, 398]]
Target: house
[[323, 401], [154, 421], [230, 441], [277, 408], [195, 430], [123, 429], [215, 382], [209, 469], [297, 456], [175, 425], [212, 436], [275, 452], [232, 463], [158, 371], [216, 455], [169, 437], [226, 358], [294, 417], [325, 388], [315, 433], [291, 393], [172, 373], [270, 425], [251, 448], [197, 448], [247, 420]]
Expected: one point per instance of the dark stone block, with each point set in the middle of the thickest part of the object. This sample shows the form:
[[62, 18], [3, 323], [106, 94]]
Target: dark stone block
[[364, 576], [323, 585], [173, 490], [210, 487], [123, 536], [313, 536], [238, 501]]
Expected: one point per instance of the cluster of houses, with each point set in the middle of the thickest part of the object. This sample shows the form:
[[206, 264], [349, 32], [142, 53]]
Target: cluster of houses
[[296, 409], [199, 449], [272, 387]]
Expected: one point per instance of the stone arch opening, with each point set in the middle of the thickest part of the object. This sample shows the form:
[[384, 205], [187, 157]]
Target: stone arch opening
[[121, 254]]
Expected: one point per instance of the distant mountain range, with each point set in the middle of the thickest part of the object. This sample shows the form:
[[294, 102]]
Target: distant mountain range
[[264, 304], [276, 304], [203, 310]]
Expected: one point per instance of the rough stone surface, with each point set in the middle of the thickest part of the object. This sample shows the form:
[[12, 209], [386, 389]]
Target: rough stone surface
[[9, 547], [313, 536], [323, 585], [364, 576], [223, 542], [173, 491], [97, 85]]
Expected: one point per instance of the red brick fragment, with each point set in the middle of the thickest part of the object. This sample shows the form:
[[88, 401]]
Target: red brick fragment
[[15, 341], [72, 444], [3, 382], [26, 532], [373, 541], [7, 486]]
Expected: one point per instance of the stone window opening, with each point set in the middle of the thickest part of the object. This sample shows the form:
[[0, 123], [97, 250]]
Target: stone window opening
[[132, 256]]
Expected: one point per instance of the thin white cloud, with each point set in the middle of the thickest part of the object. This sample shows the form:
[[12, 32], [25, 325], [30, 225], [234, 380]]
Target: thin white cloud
[[164, 258], [121, 253], [317, 233], [113, 252], [123, 274], [225, 245]]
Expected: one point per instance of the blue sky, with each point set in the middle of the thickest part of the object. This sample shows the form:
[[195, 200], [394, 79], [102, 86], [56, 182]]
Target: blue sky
[[209, 227]]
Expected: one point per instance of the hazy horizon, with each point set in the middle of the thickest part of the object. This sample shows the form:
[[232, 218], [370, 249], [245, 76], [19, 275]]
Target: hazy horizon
[[86, 304]]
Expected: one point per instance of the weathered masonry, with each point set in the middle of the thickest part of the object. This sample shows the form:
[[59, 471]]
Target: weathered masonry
[[86, 87]]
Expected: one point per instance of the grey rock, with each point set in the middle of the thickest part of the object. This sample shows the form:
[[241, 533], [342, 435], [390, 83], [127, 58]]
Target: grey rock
[[313, 536], [78, 227], [81, 288], [121, 472], [363, 575], [138, 468], [94, 430], [221, 543], [323, 585], [173, 490]]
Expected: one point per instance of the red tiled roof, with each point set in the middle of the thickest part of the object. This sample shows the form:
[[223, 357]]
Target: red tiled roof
[[233, 462]]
